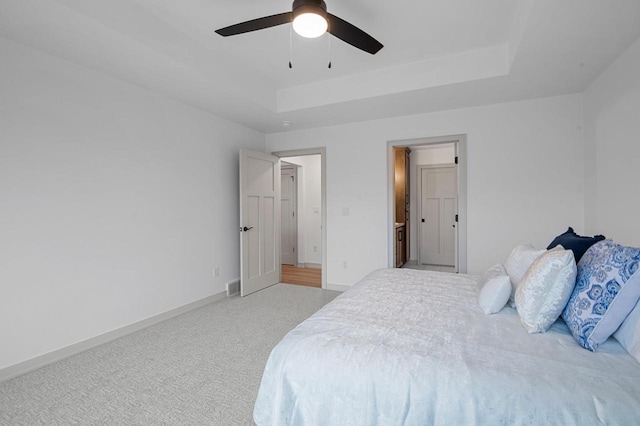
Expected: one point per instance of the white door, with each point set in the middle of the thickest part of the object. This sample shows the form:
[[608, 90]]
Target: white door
[[259, 221], [288, 215], [438, 209]]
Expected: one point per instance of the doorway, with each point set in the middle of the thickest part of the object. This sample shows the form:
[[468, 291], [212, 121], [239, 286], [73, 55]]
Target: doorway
[[306, 262], [448, 212]]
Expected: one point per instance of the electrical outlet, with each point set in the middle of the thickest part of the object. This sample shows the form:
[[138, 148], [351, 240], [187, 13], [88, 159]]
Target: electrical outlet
[[216, 272], [344, 264], [315, 249]]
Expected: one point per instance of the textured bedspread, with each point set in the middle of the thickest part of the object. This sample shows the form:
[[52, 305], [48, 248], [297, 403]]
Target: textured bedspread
[[412, 347]]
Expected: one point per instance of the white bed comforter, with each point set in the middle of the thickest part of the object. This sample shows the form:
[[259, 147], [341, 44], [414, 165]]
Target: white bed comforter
[[412, 347]]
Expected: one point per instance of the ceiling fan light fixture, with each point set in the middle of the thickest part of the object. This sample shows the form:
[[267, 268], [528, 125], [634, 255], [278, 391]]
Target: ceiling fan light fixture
[[310, 25], [310, 18]]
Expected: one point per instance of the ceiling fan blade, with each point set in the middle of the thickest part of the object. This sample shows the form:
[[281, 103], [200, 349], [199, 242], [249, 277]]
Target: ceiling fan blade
[[256, 24], [353, 35]]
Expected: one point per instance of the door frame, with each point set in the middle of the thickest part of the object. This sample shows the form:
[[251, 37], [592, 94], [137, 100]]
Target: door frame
[[288, 166], [322, 151], [460, 143], [418, 201]]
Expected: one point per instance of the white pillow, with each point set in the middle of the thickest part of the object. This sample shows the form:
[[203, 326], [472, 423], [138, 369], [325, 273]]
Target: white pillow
[[495, 289], [545, 289], [517, 264], [629, 333]]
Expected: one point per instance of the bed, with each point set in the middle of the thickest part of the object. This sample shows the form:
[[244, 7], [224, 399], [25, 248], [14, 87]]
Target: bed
[[413, 347]]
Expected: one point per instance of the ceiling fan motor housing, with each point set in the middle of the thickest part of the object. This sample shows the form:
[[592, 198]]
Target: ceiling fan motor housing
[[319, 7]]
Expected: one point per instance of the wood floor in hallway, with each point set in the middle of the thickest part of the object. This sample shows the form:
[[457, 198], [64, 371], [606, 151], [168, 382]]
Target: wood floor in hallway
[[311, 277]]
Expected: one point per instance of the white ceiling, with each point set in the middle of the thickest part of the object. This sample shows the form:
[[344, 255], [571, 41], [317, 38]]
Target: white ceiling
[[438, 54]]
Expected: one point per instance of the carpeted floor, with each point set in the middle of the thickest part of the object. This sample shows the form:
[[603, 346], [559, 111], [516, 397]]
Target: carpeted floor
[[201, 368]]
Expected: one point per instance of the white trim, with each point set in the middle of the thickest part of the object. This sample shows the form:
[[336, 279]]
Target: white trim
[[310, 265], [338, 287], [460, 142], [461, 153], [76, 348], [323, 191]]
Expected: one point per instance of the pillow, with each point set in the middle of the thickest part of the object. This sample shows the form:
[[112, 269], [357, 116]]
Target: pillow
[[495, 289], [517, 264], [607, 289], [545, 289], [629, 333], [574, 242]]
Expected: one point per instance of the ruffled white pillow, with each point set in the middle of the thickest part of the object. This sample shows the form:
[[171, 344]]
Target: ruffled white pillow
[[545, 289], [517, 264], [495, 288]]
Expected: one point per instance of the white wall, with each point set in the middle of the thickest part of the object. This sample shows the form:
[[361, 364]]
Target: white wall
[[525, 179], [309, 208], [612, 129], [423, 156], [116, 203]]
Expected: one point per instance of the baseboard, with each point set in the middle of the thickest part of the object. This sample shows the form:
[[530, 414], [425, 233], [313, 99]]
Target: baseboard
[[233, 287], [338, 287], [309, 265], [59, 354]]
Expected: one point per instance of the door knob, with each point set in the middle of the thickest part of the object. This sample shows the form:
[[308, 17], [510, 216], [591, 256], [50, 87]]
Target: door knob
[[245, 229]]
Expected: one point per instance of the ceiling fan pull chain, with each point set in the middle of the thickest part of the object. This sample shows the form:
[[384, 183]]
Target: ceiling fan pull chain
[[290, 47], [329, 38]]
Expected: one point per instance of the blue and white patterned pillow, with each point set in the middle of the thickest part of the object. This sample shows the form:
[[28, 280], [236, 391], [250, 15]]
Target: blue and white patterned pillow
[[607, 288]]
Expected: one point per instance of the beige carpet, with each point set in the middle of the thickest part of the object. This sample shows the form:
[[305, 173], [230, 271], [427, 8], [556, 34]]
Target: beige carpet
[[201, 368]]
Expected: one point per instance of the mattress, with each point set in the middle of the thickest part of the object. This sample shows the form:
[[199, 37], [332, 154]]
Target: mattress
[[413, 347]]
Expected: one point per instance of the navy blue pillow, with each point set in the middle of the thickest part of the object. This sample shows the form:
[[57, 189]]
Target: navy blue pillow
[[574, 242]]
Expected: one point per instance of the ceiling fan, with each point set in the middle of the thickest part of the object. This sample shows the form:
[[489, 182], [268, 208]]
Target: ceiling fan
[[310, 19]]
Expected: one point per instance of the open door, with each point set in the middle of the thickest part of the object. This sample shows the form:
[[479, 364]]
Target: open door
[[259, 221]]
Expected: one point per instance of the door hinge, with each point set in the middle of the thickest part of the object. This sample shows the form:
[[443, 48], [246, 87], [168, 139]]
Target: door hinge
[[456, 160], [294, 214], [456, 218], [294, 249]]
